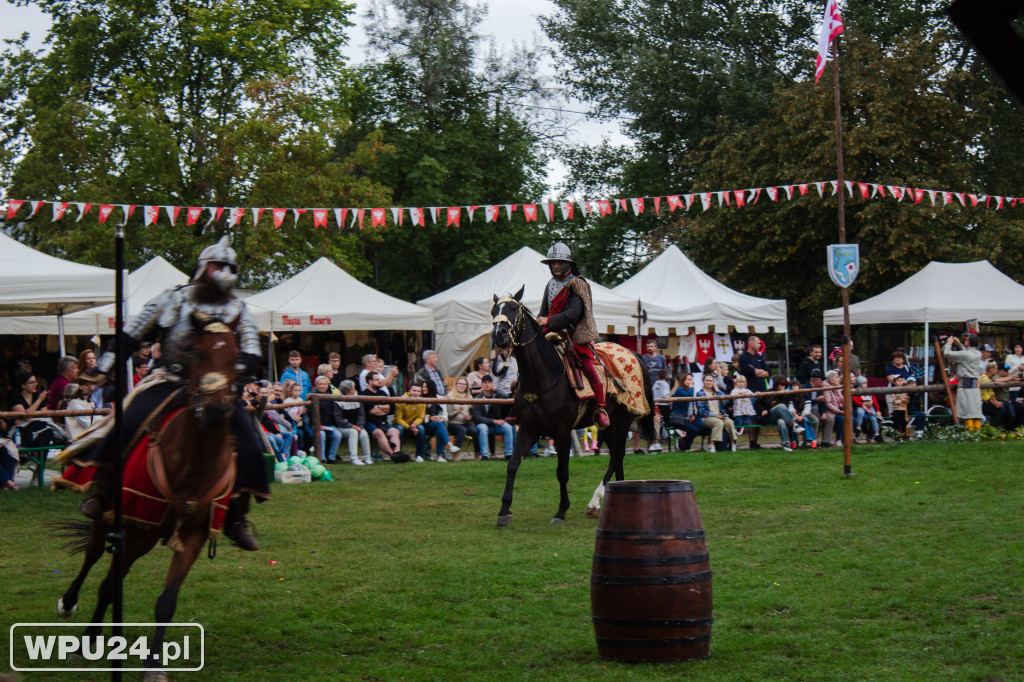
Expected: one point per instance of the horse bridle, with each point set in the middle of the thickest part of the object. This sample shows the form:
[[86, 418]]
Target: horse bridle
[[512, 326]]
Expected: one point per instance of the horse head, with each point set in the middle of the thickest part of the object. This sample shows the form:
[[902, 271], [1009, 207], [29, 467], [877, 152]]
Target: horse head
[[215, 350], [507, 319]]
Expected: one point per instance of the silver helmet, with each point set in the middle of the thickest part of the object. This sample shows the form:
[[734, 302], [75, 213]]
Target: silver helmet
[[559, 252], [221, 252]]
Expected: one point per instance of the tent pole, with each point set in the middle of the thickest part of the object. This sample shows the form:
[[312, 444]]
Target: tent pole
[[924, 381], [824, 345], [60, 331], [785, 351], [270, 355]]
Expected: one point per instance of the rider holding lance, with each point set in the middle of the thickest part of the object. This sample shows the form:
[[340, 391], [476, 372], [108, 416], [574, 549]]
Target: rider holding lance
[[168, 319], [567, 308]]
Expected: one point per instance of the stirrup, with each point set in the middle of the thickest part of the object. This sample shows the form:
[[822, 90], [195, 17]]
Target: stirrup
[[597, 413]]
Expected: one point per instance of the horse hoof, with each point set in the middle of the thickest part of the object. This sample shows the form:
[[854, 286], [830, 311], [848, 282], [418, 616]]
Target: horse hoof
[[155, 676], [592, 512], [555, 521], [504, 520], [65, 613]]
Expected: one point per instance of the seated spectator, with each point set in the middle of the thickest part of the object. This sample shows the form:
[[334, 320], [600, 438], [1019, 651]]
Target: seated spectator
[[437, 423], [332, 421], [712, 411], [369, 365], [812, 362], [723, 381], [391, 378], [996, 404], [276, 426], [8, 465], [326, 370], [684, 416], [386, 437], [1015, 367], [76, 397], [821, 418], [355, 415], [86, 361], [834, 406], [460, 421], [783, 413], [481, 368], [505, 372], [897, 367], [491, 419], [867, 413], [141, 369], [296, 374], [429, 372], [27, 397], [334, 360], [67, 372], [914, 413], [409, 419]]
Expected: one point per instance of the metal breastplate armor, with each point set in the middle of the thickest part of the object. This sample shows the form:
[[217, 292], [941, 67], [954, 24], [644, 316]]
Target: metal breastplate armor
[[171, 314]]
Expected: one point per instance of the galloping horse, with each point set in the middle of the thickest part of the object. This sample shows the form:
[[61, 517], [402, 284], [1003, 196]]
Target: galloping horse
[[546, 404], [196, 469]]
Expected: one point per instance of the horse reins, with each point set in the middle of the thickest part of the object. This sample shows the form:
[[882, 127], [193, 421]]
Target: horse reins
[[516, 344]]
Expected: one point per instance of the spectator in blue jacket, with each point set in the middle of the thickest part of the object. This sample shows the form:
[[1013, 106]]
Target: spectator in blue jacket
[[296, 374]]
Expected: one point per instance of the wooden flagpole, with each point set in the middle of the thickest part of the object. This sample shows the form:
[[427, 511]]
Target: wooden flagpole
[[841, 194]]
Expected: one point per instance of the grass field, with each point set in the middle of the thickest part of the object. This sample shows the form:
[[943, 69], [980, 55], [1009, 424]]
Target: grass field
[[910, 570]]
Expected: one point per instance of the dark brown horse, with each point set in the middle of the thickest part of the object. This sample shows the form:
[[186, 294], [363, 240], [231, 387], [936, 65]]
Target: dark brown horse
[[198, 467], [546, 405]]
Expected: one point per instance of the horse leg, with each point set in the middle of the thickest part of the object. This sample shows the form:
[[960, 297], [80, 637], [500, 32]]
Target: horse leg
[[524, 441], [67, 604], [136, 544], [167, 602], [563, 444], [617, 435]]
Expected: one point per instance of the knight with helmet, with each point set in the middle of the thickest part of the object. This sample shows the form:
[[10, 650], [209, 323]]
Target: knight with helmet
[[167, 319], [567, 308]]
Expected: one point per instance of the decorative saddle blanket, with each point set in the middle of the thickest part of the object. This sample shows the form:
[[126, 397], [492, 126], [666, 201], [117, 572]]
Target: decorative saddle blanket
[[145, 497], [626, 383]]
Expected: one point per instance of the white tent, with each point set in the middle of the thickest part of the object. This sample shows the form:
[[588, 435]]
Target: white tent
[[32, 283], [696, 301], [463, 312], [145, 283], [942, 292], [323, 297]]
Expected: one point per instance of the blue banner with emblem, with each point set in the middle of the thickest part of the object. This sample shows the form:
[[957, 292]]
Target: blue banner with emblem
[[843, 263]]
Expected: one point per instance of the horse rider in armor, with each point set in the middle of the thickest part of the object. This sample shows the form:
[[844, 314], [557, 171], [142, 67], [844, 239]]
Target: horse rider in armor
[[168, 319], [567, 307]]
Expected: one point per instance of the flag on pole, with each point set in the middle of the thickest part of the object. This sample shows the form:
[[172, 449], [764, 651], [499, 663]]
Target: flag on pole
[[831, 27]]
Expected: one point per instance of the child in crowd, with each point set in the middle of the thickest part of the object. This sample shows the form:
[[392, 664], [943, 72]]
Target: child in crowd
[[661, 390], [590, 438], [742, 408], [900, 401]]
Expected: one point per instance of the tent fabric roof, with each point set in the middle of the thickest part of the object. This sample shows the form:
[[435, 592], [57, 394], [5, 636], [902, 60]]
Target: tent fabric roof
[[674, 282], [32, 283], [144, 284], [463, 312], [324, 297], [942, 292]]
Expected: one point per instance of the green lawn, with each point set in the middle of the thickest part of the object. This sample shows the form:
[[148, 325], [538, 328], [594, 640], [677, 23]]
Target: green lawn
[[910, 570]]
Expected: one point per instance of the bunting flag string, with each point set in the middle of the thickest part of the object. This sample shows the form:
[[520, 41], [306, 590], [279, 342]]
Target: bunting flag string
[[450, 216]]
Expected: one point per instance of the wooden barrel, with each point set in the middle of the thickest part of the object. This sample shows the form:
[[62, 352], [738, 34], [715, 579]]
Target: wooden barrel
[[650, 587]]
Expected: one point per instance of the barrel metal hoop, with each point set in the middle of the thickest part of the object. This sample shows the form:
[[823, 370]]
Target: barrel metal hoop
[[652, 643], [650, 534], [650, 579], [677, 560], [644, 488], [653, 623]]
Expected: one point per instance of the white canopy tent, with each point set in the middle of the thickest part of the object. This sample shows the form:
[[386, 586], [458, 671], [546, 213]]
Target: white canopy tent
[[940, 292], [463, 312], [145, 283], [32, 283], [695, 301], [323, 297]]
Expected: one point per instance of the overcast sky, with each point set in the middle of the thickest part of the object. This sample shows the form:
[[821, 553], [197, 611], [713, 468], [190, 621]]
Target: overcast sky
[[507, 20]]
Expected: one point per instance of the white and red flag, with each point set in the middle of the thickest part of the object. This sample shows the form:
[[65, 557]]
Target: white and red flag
[[831, 27]]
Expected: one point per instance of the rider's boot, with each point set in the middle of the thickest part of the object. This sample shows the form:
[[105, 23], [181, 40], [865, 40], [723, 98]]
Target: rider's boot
[[236, 526], [601, 420], [101, 494]]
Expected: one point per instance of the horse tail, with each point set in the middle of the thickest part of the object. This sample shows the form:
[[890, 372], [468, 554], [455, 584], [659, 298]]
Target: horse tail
[[76, 534], [646, 422]]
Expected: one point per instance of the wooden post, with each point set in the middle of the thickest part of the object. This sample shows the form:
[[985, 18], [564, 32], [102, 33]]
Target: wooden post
[[945, 382], [847, 406], [314, 400]]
